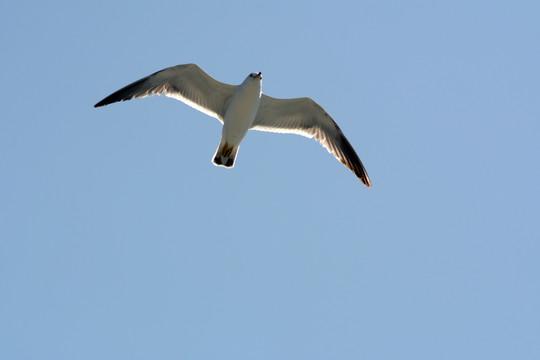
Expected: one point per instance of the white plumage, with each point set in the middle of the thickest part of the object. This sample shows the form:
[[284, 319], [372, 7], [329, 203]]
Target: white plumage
[[243, 107]]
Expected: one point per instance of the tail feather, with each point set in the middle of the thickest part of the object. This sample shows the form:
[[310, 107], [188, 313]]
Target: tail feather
[[225, 154]]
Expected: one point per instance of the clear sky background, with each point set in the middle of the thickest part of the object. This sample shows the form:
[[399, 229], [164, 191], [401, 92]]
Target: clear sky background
[[121, 240]]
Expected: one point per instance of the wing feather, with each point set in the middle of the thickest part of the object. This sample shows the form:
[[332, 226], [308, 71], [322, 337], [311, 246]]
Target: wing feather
[[187, 83], [305, 117]]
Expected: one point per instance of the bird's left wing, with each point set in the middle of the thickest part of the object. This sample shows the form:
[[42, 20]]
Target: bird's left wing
[[303, 116], [187, 83]]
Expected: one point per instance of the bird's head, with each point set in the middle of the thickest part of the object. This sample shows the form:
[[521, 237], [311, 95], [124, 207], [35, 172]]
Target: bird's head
[[256, 75], [254, 81]]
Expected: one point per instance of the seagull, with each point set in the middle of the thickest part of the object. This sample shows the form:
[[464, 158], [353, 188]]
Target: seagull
[[244, 107]]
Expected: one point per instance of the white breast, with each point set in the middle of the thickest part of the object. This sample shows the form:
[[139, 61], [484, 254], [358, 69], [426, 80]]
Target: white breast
[[241, 111]]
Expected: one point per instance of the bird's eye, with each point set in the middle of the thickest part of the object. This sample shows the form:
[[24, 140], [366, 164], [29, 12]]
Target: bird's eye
[[250, 75]]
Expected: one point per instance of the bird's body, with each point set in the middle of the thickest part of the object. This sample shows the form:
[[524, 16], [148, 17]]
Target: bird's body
[[239, 118], [242, 108]]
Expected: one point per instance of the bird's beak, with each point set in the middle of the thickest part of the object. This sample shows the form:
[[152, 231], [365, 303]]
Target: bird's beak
[[259, 75]]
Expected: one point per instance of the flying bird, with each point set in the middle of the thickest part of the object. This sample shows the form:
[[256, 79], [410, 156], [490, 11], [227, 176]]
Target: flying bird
[[244, 107]]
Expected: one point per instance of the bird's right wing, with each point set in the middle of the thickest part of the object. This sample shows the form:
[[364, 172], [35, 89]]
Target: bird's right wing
[[187, 83]]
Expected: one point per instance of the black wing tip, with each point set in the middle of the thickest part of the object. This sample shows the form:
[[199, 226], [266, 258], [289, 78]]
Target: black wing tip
[[359, 170], [125, 93], [361, 173], [352, 161], [115, 97], [365, 180], [105, 101]]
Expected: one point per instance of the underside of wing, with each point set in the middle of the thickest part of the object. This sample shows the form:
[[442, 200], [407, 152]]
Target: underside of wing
[[304, 116], [187, 83]]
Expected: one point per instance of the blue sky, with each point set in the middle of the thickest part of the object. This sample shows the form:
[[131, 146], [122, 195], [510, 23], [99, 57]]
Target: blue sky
[[121, 240]]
